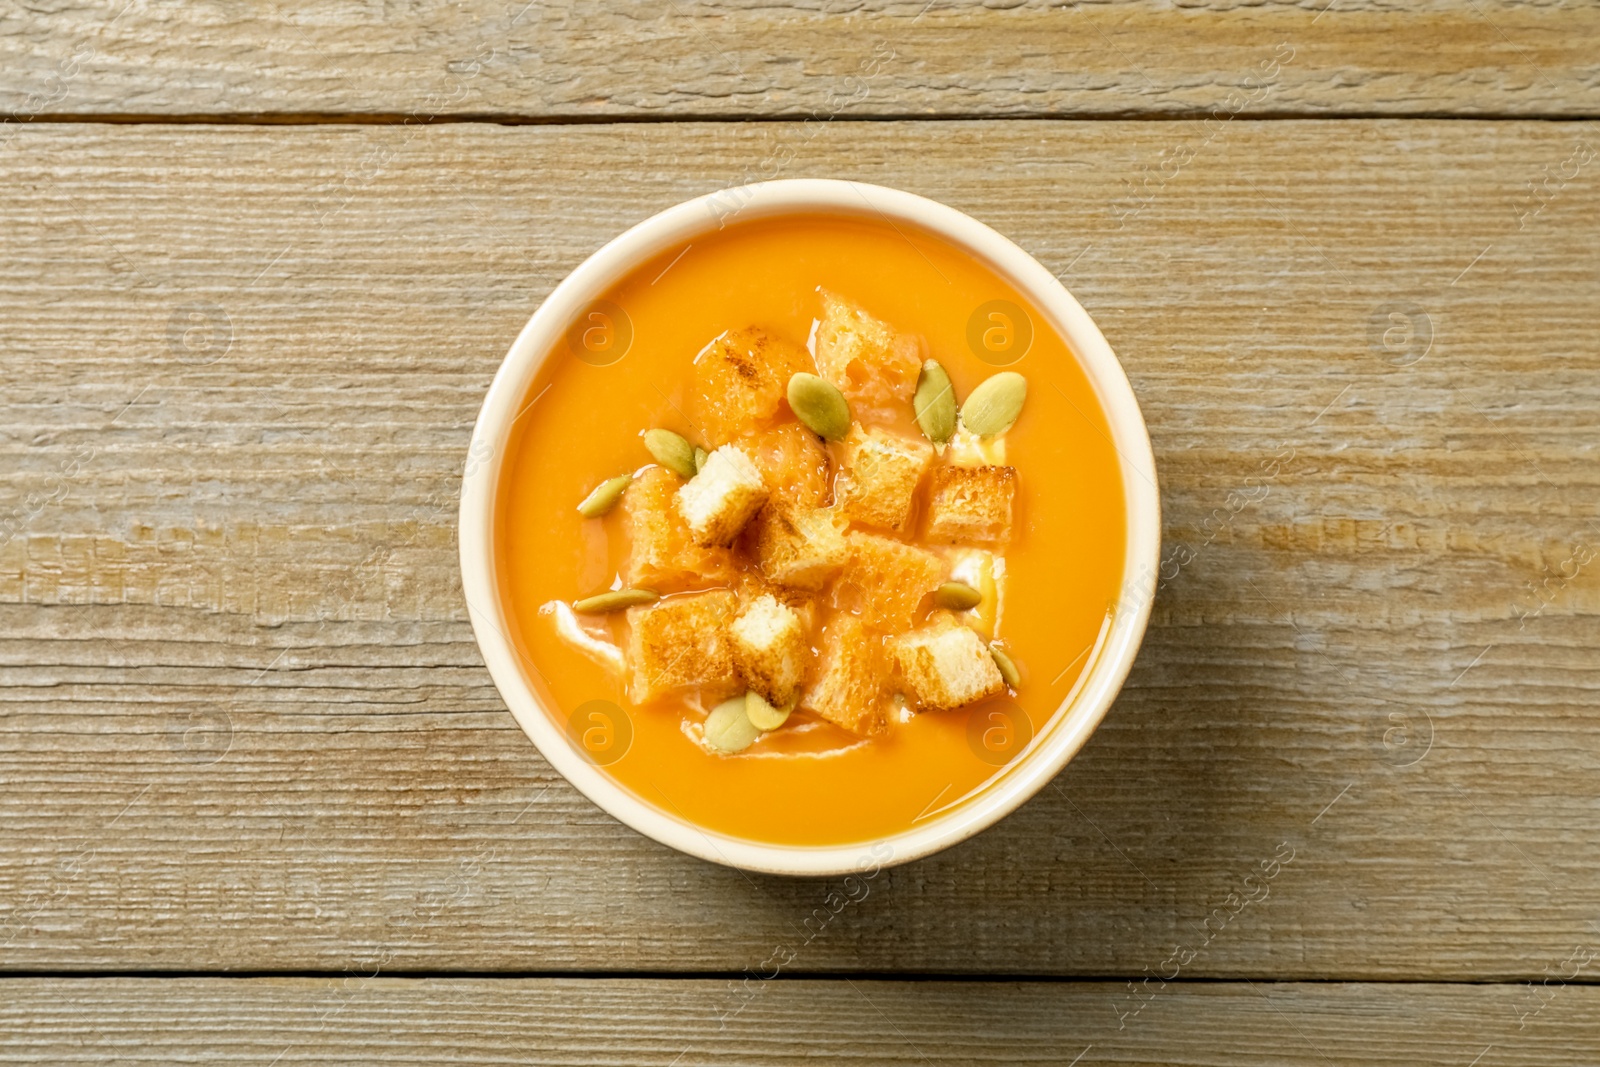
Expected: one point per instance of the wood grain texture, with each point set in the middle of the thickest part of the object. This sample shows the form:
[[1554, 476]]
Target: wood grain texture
[[688, 1022], [245, 725], [749, 58]]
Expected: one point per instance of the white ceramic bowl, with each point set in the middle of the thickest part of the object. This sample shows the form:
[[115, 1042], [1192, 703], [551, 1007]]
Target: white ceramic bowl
[[1052, 745]]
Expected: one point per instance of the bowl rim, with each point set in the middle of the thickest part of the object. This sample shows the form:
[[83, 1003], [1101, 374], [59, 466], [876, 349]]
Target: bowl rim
[[1068, 727]]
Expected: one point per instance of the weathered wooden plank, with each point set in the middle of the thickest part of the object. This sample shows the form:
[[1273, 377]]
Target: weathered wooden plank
[[745, 58], [358, 1018], [245, 725]]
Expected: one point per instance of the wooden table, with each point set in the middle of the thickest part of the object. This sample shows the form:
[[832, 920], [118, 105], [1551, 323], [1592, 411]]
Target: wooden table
[[261, 803]]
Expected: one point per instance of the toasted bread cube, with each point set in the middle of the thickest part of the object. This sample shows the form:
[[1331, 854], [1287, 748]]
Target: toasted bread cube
[[741, 378], [849, 690], [663, 555], [681, 643], [717, 502], [796, 546], [945, 665], [751, 585], [885, 580], [770, 649], [971, 505], [874, 368], [793, 461], [879, 479]]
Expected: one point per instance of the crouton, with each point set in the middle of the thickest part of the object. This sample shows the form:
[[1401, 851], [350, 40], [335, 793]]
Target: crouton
[[884, 581], [971, 505], [945, 665], [663, 555], [682, 643], [849, 690], [794, 463], [717, 502], [796, 546], [751, 585], [770, 649], [879, 478], [740, 379], [873, 367]]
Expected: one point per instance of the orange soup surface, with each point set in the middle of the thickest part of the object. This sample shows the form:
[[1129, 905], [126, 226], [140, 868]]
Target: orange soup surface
[[630, 366]]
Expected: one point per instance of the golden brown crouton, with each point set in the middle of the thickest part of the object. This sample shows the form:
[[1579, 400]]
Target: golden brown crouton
[[740, 379], [971, 505], [717, 502], [796, 546], [681, 643], [794, 463], [751, 585], [880, 474], [885, 580], [873, 367], [663, 555], [849, 690], [770, 649], [945, 665]]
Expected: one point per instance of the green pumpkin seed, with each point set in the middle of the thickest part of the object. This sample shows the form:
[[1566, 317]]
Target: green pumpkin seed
[[935, 403], [615, 600], [728, 728], [700, 457], [995, 405], [1007, 665], [762, 714], [957, 596], [671, 451], [604, 497], [818, 404]]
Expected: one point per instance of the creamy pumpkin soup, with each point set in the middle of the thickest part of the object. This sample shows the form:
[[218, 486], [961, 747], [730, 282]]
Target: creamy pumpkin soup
[[807, 528]]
